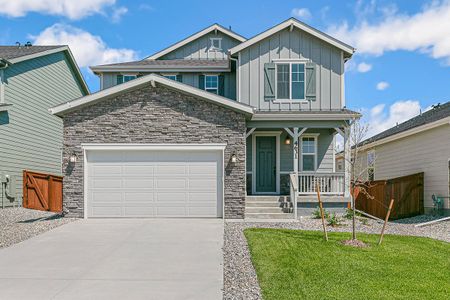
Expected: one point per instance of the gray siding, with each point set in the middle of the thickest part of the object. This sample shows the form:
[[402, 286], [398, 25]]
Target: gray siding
[[324, 153], [30, 137], [292, 45], [199, 48], [427, 152], [110, 79]]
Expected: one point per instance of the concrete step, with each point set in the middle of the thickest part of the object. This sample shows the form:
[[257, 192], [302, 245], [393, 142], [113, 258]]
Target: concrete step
[[266, 198], [254, 203], [269, 216], [263, 210]]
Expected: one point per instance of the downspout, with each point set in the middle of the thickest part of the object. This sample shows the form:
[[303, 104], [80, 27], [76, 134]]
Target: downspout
[[237, 75]]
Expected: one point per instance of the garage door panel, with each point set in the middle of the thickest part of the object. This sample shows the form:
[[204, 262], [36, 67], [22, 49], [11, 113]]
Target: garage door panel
[[154, 183]]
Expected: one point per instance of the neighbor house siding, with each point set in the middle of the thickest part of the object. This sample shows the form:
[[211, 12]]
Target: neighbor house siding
[[30, 137], [427, 152], [293, 44], [159, 116], [199, 48]]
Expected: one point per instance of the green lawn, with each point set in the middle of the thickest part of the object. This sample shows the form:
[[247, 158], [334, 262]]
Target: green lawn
[[294, 264]]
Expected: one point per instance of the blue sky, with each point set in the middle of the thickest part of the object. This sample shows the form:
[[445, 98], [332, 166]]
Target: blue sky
[[402, 63]]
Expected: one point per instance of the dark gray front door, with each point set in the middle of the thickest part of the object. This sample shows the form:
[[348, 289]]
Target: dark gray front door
[[266, 172]]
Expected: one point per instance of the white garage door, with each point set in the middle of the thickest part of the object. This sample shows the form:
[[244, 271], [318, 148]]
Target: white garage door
[[154, 183]]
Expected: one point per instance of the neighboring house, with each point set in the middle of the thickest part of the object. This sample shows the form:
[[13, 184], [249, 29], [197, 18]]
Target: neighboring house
[[218, 134], [421, 144], [32, 80]]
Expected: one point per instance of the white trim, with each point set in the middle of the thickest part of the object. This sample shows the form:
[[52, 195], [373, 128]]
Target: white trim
[[214, 27], [316, 150], [277, 135], [342, 77], [2, 86], [159, 68], [300, 25], [303, 116], [153, 146], [121, 88], [211, 46], [403, 134], [290, 60], [249, 132], [165, 147], [212, 89]]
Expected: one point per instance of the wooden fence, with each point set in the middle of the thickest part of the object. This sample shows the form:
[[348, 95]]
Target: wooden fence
[[406, 191], [42, 191]]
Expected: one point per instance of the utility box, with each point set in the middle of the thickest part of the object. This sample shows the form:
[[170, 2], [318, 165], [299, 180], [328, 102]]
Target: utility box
[[9, 184]]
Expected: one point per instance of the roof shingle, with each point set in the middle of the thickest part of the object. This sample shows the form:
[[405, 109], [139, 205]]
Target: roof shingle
[[11, 52]]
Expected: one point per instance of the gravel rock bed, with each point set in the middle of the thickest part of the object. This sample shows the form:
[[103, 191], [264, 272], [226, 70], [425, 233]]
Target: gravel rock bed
[[19, 224], [240, 281]]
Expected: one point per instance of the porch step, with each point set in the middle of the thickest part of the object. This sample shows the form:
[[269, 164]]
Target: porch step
[[253, 203], [262, 209], [269, 215], [267, 198]]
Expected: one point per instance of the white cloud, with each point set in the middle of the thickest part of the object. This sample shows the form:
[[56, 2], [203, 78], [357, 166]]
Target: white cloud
[[72, 9], [382, 85], [118, 13], [88, 49], [301, 13], [364, 67], [426, 31], [379, 118]]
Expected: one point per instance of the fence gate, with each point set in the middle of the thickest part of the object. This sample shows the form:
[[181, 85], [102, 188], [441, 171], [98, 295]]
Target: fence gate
[[42, 191]]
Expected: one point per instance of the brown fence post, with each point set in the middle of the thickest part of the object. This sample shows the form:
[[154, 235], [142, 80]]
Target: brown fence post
[[385, 221]]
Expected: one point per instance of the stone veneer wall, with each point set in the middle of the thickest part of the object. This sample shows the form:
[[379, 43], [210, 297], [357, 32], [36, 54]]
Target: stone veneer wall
[[155, 115]]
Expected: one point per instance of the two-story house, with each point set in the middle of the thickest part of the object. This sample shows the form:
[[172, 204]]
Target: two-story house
[[215, 125], [32, 80]]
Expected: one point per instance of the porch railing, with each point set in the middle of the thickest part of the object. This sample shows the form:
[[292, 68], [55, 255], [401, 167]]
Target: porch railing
[[329, 183]]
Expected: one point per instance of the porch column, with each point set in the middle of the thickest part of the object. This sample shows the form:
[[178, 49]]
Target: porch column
[[295, 135]]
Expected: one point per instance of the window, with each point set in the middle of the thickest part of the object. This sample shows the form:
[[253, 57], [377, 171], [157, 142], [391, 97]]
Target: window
[[216, 44], [309, 153], [125, 78], [212, 83], [290, 81], [172, 77], [371, 165]]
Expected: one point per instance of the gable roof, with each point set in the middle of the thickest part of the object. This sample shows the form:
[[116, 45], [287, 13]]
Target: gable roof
[[166, 65], [426, 120], [292, 22], [151, 79], [15, 54], [195, 36]]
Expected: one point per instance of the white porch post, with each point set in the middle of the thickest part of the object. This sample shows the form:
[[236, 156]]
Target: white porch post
[[347, 158], [295, 150]]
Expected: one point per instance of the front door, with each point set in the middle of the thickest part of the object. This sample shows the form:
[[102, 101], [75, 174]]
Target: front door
[[266, 171]]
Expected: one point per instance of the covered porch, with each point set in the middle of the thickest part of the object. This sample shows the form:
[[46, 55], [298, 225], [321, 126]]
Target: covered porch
[[287, 157]]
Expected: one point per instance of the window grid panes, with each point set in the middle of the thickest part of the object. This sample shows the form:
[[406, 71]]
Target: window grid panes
[[298, 81], [283, 91], [308, 148], [212, 83]]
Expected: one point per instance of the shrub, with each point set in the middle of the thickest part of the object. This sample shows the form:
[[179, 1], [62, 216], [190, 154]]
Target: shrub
[[334, 220], [349, 214], [316, 213]]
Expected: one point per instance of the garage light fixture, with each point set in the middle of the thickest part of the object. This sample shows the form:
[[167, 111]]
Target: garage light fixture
[[73, 158], [287, 141], [233, 158]]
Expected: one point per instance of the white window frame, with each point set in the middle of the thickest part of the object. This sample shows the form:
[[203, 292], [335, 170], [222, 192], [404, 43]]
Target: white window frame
[[372, 165], [290, 63], [212, 47], [315, 136], [129, 75], [212, 89]]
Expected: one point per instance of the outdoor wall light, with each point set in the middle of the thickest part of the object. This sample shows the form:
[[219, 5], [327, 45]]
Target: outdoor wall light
[[287, 141], [233, 158], [73, 158]]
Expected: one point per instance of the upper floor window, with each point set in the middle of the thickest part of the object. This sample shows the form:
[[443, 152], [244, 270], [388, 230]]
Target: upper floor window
[[215, 44], [371, 165], [309, 153], [172, 77], [212, 83], [125, 78], [290, 81]]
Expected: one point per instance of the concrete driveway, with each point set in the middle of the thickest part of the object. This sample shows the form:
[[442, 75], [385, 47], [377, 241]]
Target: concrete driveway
[[117, 259]]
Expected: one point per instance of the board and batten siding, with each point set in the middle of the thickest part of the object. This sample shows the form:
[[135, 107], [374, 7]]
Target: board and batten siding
[[192, 79], [200, 48], [325, 148], [30, 137], [294, 44], [427, 152]]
